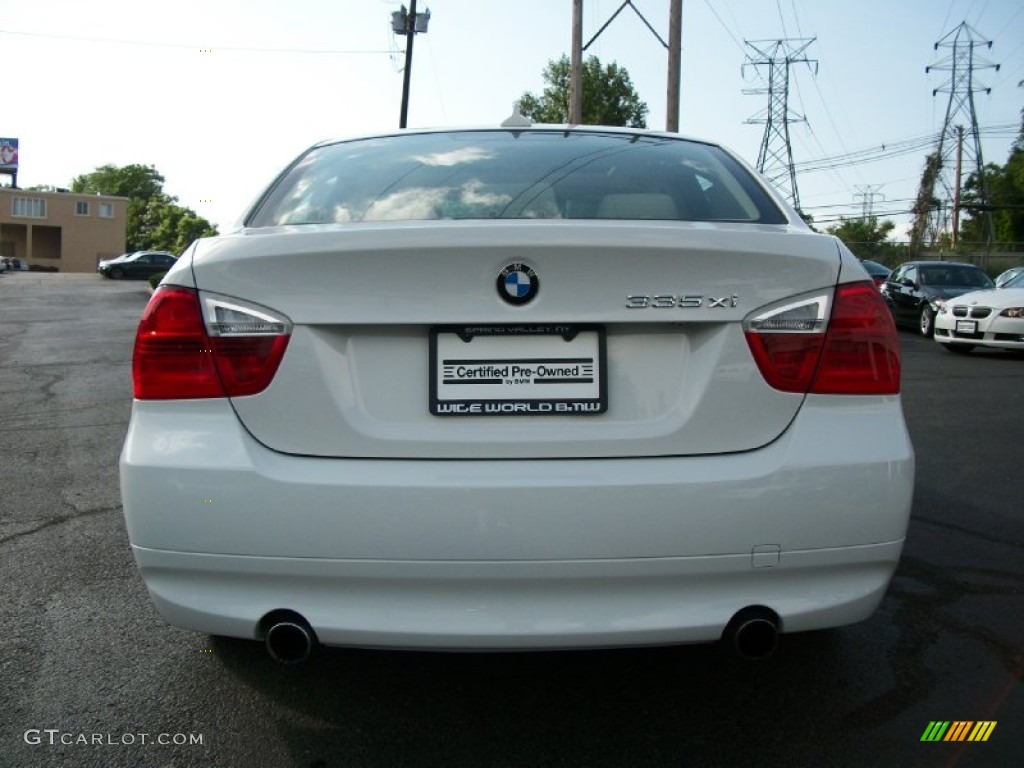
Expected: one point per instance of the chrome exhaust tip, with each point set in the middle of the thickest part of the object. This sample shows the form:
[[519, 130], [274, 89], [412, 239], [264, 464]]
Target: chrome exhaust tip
[[753, 632], [290, 640]]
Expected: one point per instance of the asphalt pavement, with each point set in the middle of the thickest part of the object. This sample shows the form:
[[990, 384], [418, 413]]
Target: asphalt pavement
[[91, 676]]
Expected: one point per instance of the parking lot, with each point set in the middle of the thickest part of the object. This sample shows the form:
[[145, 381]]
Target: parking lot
[[91, 676]]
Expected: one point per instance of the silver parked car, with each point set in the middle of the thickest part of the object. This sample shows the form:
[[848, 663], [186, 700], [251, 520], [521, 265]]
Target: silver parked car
[[1008, 275], [512, 388]]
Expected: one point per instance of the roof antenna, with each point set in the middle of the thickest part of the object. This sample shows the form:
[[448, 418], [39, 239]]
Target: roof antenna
[[516, 119]]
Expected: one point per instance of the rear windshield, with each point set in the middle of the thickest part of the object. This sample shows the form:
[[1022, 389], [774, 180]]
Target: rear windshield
[[514, 175]]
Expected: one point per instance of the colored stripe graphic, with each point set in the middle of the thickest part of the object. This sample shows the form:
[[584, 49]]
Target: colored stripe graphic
[[958, 730], [982, 730], [935, 731]]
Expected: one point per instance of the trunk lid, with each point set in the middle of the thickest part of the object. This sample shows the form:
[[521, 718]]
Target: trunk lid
[[668, 298]]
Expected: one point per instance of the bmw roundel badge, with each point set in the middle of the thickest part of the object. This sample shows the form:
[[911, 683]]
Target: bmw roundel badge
[[518, 283]]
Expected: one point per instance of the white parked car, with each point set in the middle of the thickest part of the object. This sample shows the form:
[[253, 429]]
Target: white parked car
[[993, 318], [515, 388]]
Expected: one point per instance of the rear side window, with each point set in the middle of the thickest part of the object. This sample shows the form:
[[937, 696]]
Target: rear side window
[[515, 175]]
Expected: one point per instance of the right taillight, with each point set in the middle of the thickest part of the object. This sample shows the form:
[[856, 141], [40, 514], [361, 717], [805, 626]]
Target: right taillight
[[191, 345], [862, 351], [853, 349]]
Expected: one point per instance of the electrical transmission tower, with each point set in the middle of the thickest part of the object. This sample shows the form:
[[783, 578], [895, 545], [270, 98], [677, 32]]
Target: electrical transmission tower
[[867, 193], [962, 62], [775, 159]]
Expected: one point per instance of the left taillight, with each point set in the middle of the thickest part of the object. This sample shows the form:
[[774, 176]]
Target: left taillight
[[196, 345]]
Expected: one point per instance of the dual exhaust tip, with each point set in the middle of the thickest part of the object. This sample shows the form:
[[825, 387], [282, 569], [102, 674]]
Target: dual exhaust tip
[[753, 633]]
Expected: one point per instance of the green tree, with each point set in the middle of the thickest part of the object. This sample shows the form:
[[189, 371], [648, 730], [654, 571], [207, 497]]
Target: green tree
[[1004, 185], [136, 182], [155, 220], [608, 96], [866, 237], [164, 225], [925, 203]]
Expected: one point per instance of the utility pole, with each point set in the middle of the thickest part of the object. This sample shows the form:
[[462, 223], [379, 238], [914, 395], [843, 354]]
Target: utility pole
[[775, 158], [962, 62], [648, 25], [576, 65], [958, 174], [675, 49], [408, 24]]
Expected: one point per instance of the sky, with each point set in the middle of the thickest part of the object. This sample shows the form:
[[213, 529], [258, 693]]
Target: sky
[[220, 95]]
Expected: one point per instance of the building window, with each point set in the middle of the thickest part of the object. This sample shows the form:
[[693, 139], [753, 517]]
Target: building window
[[81, 208], [28, 207], [106, 210]]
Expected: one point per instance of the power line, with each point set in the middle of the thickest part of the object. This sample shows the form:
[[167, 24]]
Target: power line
[[726, 28], [863, 156], [732, 16], [891, 149], [796, 18], [977, 19], [778, 5], [828, 112], [185, 46], [853, 206], [949, 12]]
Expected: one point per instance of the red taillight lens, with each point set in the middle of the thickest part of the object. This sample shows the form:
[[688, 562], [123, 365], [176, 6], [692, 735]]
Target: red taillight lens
[[177, 359], [862, 353], [173, 355], [857, 353], [787, 360], [247, 365]]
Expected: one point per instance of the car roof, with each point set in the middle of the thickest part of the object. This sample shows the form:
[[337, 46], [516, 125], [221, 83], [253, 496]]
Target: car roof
[[937, 263], [535, 128]]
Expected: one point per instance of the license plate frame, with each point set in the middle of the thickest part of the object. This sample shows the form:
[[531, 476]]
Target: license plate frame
[[967, 326], [521, 370]]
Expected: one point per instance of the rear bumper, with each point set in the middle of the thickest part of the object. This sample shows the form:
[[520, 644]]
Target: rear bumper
[[464, 605], [517, 554]]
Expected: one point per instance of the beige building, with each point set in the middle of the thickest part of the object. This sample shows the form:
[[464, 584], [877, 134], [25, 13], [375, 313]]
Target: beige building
[[69, 231]]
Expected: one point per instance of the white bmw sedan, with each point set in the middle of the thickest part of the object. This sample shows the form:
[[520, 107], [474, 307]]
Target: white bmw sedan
[[515, 388], [993, 318]]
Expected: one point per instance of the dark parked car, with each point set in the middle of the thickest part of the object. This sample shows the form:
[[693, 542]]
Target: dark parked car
[[879, 272], [916, 290], [138, 264]]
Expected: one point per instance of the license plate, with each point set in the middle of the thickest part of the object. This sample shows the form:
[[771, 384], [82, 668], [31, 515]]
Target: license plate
[[532, 370], [966, 326]]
